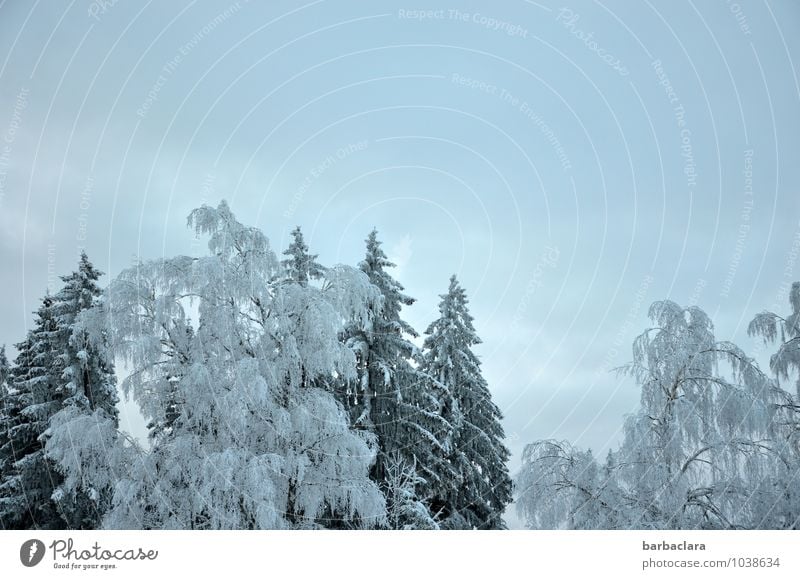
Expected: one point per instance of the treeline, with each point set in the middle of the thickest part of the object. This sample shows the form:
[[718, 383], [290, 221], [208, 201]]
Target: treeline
[[715, 443], [295, 399]]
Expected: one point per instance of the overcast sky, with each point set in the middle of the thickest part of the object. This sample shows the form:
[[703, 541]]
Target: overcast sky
[[570, 162]]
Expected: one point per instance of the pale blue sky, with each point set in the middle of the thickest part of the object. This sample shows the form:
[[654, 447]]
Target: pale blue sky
[[548, 169]]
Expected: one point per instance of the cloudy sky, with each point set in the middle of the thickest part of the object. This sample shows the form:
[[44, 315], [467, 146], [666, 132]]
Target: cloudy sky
[[570, 162]]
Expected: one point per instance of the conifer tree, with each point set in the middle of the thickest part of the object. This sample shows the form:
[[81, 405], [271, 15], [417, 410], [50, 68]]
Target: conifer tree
[[5, 418], [87, 385], [393, 399], [476, 495], [4, 369], [87, 374], [59, 373], [29, 477], [300, 265]]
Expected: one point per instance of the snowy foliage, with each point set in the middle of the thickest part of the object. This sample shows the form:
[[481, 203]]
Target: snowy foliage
[[391, 398], [786, 332], [300, 265], [279, 394], [82, 446], [32, 397], [86, 385], [87, 375], [248, 439], [472, 486], [405, 510], [713, 444], [61, 374], [564, 487]]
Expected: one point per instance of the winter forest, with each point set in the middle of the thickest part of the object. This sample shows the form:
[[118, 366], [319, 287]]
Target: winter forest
[[285, 394], [280, 394]]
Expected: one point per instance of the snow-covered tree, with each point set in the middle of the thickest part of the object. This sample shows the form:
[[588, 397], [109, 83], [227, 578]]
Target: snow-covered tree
[[5, 420], [87, 386], [86, 370], [784, 510], [301, 266], [32, 397], [253, 441], [561, 486], [786, 333], [392, 398], [472, 486], [704, 450], [697, 446], [404, 507], [5, 374], [58, 370], [4, 370]]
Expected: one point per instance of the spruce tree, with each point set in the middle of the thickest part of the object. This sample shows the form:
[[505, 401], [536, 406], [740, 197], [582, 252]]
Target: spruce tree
[[480, 490], [29, 478], [60, 372], [300, 265], [85, 381], [4, 369], [394, 400], [87, 375], [5, 407]]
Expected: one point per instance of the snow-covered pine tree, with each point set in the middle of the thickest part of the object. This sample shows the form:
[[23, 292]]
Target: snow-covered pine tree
[[300, 265], [87, 386], [180, 356], [255, 444], [392, 398], [4, 370], [58, 373], [477, 493], [404, 507], [32, 398], [5, 418], [86, 369]]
